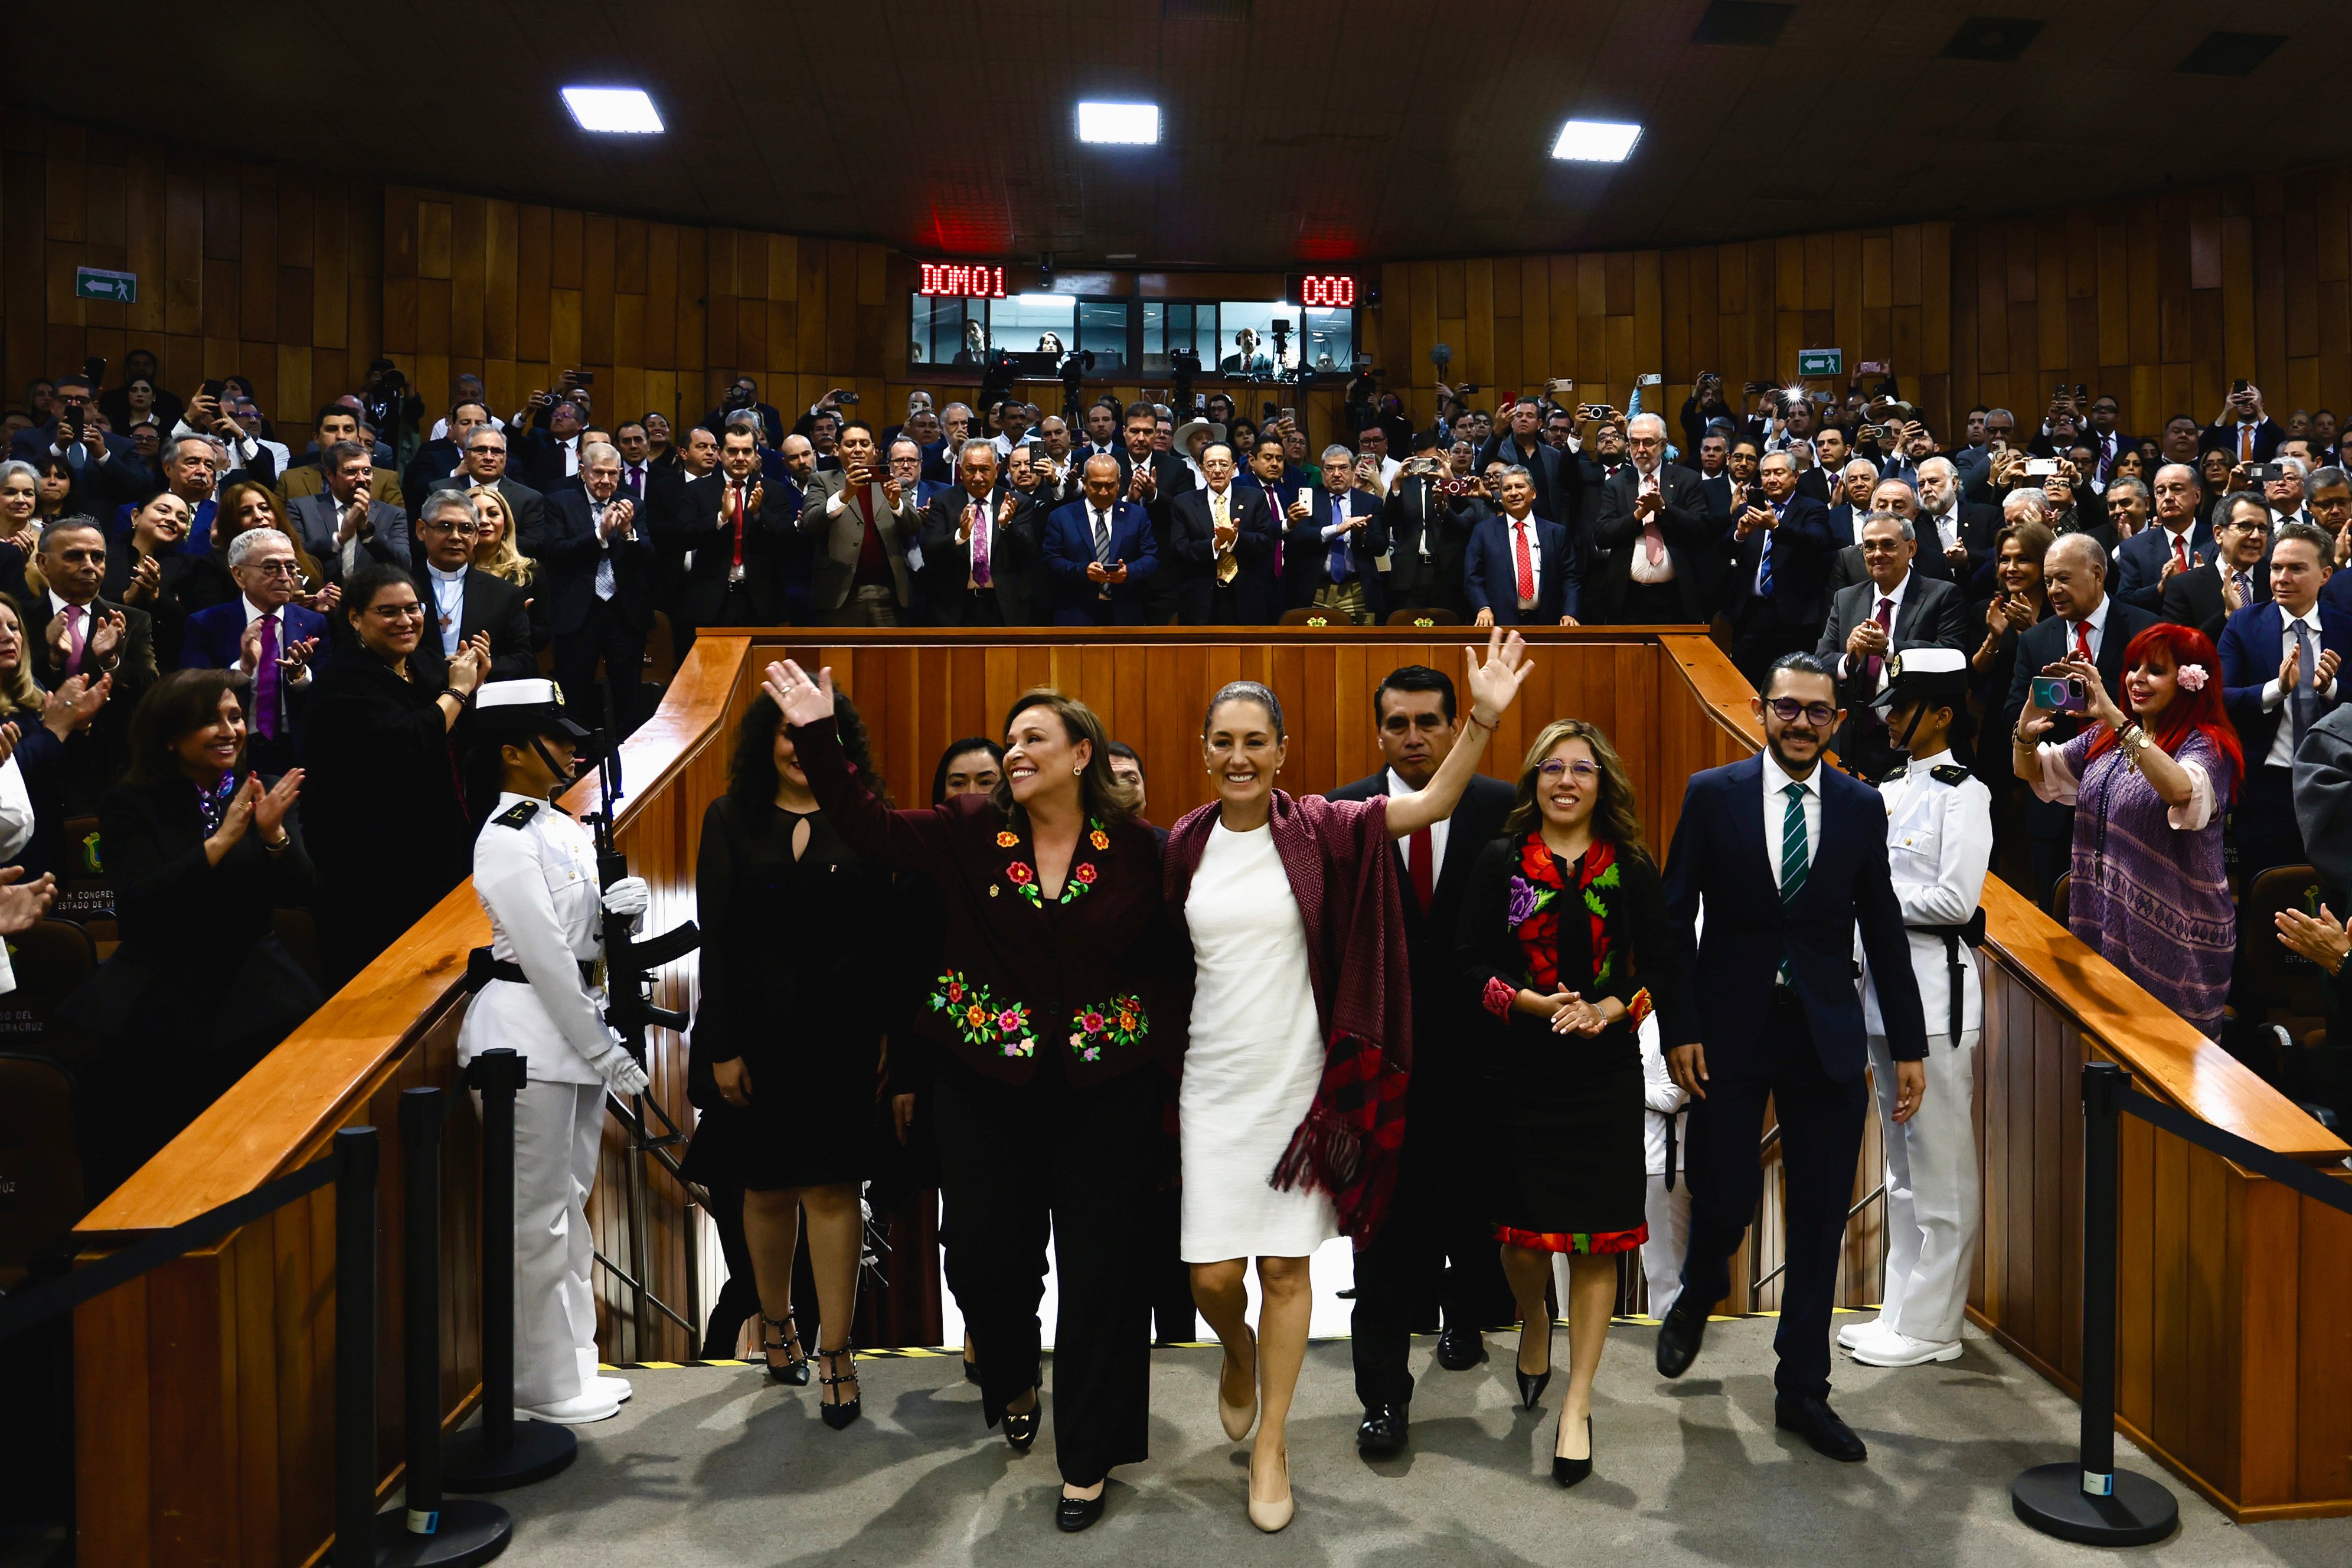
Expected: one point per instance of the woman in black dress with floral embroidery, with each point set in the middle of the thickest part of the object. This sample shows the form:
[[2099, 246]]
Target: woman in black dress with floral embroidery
[[798, 969], [1051, 1057], [1564, 940]]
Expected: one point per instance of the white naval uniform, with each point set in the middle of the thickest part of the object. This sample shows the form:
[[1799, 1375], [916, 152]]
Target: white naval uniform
[[1939, 844], [1667, 1209], [535, 873]]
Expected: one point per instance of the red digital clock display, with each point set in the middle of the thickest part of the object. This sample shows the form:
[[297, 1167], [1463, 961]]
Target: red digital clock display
[[1327, 292], [955, 281]]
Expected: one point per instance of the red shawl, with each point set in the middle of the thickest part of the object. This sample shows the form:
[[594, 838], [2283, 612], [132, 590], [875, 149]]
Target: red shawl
[[1342, 871]]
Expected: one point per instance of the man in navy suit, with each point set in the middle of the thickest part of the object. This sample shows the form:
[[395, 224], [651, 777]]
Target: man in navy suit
[[1099, 554], [263, 632], [1789, 857], [1521, 569], [1332, 545], [1779, 554], [595, 556], [2244, 429], [2278, 679], [1437, 1214], [2177, 539]]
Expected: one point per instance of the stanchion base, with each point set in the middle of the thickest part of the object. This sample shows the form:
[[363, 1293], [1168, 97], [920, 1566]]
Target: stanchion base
[[537, 1450], [2050, 1497], [469, 1532]]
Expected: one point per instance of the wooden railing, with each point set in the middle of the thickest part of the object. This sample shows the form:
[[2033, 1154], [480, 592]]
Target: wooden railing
[[203, 1399]]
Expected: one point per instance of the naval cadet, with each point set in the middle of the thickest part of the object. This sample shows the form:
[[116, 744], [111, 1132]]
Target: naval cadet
[[538, 992], [1939, 844]]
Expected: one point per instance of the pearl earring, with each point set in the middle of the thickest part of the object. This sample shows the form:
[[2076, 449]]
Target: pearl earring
[[1078, 772]]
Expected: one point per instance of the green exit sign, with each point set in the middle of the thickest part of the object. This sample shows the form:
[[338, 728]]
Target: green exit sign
[[1821, 362], [98, 283]]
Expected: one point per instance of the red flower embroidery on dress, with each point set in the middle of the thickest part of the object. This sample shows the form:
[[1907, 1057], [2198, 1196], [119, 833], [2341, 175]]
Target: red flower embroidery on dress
[[1020, 874], [1084, 873]]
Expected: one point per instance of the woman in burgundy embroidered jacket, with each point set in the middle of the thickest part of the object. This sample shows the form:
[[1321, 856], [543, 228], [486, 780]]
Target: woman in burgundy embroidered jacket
[[1048, 1025], [1300, 1035], [1564, 938]]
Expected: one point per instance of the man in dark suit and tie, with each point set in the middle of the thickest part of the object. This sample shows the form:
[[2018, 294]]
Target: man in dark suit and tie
[[1655, 548], [1779, 558], [595, 557], [1522, 570], [735, 525], [545, 443], [1958, 535], [2084, 620], [1789, 858], [1152, 479], [862, 520], [1557, 477], [1223, 537], [2177, 539], [2106, 440], [1894, 608], [1429, 533], [70, 630], [461, 602], [2244, 429], [1332, 545], [1435, 1243], [263, 632], [2207, 596], [344, 526], [2278, 679], [1100, 552], [485, 463], [980, 545], [1715, 477], [445, 455], [1245, 359]]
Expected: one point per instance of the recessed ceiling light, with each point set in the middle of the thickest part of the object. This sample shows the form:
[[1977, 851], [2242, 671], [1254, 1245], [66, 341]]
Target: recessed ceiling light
[[1133, 123], [626, 110], [1596, 141]]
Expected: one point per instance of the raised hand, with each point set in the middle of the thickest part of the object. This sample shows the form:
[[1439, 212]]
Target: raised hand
[[105, 635], [74, 704], [269, 808], [803, 701], [22, 903], [146, 579], [1495, 683]]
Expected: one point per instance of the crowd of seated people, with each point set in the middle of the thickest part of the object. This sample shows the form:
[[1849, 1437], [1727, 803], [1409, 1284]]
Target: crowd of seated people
[[353, 580]]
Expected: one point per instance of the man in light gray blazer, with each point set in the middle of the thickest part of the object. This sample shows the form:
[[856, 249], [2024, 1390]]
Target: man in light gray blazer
[[343, 526], [864, 525]]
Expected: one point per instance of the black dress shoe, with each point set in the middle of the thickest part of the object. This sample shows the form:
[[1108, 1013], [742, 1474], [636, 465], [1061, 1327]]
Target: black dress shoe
[[1679, 1338], [1021, 1431], [1810, 1417], [1076, 1513], [1568, 1472], [1383, 1429], [1459, 1350]]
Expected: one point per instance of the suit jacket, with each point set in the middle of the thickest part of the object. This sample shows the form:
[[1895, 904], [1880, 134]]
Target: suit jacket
[[2194, 598], [1814, 483], [315, 520], [2253, 648], [696, 518], [491, 604], [1416, 513], [568, 550], [193, 579], [2043, 643], [839, 539], [95, 758], [215, 640], [435, 461], [1014, 555], [1717, 490], [1932, 614], [1306, 555], [2140, 564], [308, 478], [537, 455], [522, 501], [1191, 566], [1848, 569], [1980, 524], [1801, 559], [1691, 539], [1719, 855], [1490, 574], [1560, 478], [1069, 549], [2224, 437]]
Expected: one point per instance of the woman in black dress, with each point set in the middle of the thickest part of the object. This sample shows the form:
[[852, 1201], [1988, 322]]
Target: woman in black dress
[[1564, 941], [797, 970]]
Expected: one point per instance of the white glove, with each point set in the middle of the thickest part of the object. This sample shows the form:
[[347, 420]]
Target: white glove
[[630, 896], [619, 1069]]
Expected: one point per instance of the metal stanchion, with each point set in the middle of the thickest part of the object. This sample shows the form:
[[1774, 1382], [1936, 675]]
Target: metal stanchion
[[2090, 1500], [356, 1160], [500, 1451], [429, 1531]]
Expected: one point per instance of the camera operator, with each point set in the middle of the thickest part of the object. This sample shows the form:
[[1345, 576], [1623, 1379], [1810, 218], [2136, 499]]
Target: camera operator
[[743, 397], [1429, 513]]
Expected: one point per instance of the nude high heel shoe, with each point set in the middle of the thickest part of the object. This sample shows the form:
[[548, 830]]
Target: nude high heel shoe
[[1273, 1516], [1237, 1419]]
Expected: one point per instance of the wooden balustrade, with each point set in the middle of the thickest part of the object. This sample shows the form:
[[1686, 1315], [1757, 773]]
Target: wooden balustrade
[[204, 1390]]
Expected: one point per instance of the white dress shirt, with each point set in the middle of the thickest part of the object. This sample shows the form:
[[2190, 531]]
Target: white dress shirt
[[2274, 696], [253, 613], [1893, 619], [1946, 526], [1437, 830], [1651, 483], [1776, 807], [2097, 621], [1511, 526]]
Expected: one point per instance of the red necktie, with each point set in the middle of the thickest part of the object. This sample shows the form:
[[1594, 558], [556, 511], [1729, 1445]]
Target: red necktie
[[2245, 442], [738, 491], [1526, 562], [2181, 550], [1419, 851], [2083, 639]]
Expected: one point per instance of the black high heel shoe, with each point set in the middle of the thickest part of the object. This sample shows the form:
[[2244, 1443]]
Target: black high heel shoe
[[794, 1372], [1568, 1472], [840, 1415], [1021, 1430], [1531, 1385]]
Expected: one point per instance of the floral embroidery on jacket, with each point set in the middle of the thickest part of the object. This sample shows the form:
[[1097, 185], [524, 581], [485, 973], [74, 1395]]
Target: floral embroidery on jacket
[[1076, 885], [979, 1020], [1121, 1021]]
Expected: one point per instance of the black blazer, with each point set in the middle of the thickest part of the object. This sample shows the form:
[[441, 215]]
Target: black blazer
[[567, 549], [1849, 569], [1690, 535], [1015, 561], [1801, 559], [1189, 562], [1417, 511], [1560, 478], [694, 517], [2194, 598], [522, 501], [1933, 614], [2041, 645], [492, 605]]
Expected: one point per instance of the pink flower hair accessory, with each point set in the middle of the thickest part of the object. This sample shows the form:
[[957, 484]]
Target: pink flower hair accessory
[[2192, 678]]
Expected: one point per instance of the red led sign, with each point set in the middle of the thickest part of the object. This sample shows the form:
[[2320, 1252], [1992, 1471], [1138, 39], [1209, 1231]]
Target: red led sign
[[1322, 292], [955, 281]]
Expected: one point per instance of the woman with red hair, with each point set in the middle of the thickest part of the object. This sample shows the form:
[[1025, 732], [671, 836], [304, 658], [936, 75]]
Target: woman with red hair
[[2149, 791]]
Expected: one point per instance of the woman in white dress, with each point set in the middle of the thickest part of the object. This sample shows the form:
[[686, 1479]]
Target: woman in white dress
[[1292, 1097]]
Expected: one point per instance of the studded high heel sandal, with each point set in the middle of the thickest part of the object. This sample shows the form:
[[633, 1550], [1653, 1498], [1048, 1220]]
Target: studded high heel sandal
[[794, 1372], [840, 1416]]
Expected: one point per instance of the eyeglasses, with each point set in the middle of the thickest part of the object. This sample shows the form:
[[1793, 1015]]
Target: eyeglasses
[[1582, 773], [1788, 710], [433, 525], [272, 568], [408, 611]]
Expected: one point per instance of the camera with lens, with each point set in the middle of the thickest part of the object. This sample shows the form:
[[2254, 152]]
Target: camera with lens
[[738, 397]]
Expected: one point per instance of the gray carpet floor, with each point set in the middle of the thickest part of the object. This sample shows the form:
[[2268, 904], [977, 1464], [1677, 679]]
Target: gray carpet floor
[[714, 1465]]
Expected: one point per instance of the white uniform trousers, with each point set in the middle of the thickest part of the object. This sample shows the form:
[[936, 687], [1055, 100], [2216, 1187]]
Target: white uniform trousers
[[1668, 1214], [1935, 1197], [558, 1127]]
